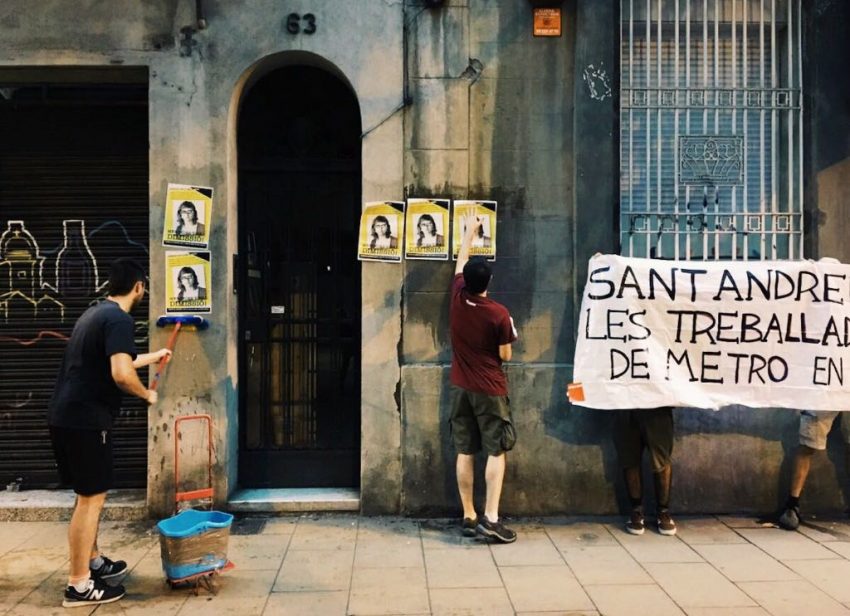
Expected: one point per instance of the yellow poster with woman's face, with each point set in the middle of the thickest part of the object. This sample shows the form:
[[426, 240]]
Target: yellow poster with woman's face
[[188, 283], [188, 211], [381, 231], [427, 229], [484, 242]]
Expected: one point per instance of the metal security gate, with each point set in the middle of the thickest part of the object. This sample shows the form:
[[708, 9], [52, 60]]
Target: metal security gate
[[711, 129], [73, 197]]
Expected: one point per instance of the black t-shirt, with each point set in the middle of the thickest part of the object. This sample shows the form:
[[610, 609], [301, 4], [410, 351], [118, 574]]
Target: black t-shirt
[[86, 396]]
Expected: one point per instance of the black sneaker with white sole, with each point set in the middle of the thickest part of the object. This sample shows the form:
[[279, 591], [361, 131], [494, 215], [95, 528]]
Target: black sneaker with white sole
[[111, 571], [495, 530], [468, 528], [96, 593]]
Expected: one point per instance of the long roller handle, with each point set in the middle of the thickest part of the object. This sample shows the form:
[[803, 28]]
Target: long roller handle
[[170, 346]]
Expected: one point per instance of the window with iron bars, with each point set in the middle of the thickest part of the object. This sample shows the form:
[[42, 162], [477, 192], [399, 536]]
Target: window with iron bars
[[711, 129]]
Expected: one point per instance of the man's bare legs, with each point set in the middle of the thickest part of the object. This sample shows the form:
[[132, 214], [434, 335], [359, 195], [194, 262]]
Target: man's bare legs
[[465, 469], [82, 534], [494, 476], [800, 469], [789, 519]]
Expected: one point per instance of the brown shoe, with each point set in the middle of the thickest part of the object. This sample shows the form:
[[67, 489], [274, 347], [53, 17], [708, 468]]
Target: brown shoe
[[635, 525], [666, 525]]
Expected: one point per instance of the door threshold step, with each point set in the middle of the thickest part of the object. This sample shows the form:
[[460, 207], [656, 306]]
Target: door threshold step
[[294, 500], [57, 505]]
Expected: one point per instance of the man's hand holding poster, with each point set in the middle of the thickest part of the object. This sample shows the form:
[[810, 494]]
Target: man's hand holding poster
[[709, 334], [484, 244], [381, 231], [188, 212], [187, 283]]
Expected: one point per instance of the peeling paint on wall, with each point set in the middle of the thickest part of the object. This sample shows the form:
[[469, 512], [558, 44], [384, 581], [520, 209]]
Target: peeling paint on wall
[[597, 81]]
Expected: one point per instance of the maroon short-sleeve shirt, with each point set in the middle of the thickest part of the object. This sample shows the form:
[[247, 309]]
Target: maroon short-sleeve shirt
[[478, 326]]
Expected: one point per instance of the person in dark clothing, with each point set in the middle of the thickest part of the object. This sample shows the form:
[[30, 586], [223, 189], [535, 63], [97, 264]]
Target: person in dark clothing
[[482, 332], [99, 365], [634, 432]]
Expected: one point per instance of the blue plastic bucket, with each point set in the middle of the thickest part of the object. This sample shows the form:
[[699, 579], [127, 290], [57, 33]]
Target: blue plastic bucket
[[194, 542]]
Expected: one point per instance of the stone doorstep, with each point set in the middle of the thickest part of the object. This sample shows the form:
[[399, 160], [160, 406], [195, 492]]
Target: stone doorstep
[[294, 500], [57, 505]]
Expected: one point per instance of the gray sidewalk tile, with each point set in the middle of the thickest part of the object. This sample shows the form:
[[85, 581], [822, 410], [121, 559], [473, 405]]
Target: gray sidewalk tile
[[580, 534], [742, 521], [389, 591], [441, 535], [842, 548], [832, 577], [530, 548], [257, 552], [14, 534], [726, 611], [561, 613], [633, 600], [784, 545], [315, 570], [697, 585], [605, 564], [461, 569], [745, 563], [652, 547], [240, 592], [326, 533], [330, 603], [279, 526], [387, 528], [706, 531], [385, 545], [51, 535], [823, 531], [470, 602], [147, 592], [793, 599], [46, 598], [22, 570], [544, 588]]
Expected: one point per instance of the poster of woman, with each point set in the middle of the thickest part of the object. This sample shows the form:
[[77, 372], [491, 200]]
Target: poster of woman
[[188, 210], [381, 227], [484, 244], [187, 286], [427, 225]]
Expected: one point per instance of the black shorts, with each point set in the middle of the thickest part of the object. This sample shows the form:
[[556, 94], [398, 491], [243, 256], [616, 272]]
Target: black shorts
[[650, 429], [84, 459]]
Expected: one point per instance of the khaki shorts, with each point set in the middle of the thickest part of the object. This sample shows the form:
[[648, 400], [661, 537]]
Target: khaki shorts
[[650, 429], [481, 421], [815, 426]]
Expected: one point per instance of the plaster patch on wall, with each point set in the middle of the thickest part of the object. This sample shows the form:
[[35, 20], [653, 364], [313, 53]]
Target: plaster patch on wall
[[597, 81]]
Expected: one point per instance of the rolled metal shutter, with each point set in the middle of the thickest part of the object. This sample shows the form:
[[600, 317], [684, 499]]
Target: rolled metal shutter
[[73, 197]]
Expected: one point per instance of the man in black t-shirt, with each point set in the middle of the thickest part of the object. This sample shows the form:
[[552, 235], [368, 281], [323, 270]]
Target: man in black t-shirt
[[99, 364]]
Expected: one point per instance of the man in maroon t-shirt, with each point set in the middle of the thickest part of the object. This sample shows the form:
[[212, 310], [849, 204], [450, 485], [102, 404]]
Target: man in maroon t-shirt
[[482, 332]]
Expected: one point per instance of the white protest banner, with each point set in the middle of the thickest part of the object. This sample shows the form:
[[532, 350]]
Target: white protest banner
[[709, 334]]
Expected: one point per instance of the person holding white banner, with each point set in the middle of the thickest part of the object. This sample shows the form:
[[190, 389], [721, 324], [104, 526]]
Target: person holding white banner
[[636, 431], [482, 332], [814, 428]]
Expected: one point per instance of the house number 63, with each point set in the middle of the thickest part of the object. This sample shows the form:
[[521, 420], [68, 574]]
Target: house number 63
[[294, 23]]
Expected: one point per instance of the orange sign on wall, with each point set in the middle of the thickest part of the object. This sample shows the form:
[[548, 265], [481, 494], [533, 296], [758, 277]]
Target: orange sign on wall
[[547, 22]]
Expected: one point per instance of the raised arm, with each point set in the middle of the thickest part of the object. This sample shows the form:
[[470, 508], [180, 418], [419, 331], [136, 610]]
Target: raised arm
[[473, 223]]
